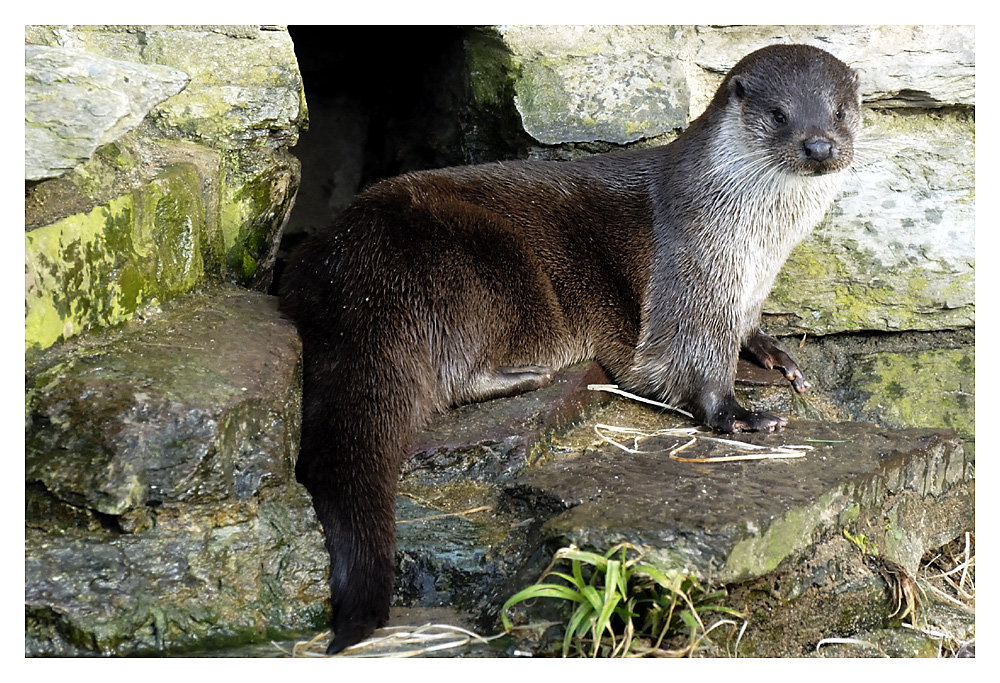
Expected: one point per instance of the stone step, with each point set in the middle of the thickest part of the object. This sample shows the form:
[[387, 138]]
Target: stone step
[[161, 506], [772, 531], [162, 512]]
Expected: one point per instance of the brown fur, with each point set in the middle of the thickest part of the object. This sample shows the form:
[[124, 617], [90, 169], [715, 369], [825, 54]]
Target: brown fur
[[445, 287]]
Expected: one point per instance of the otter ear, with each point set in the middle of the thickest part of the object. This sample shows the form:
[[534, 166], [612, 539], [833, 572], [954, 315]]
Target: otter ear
[[737, 88]]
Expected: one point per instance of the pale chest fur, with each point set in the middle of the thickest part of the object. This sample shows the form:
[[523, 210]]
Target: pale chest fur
[[767, 230], [753, 208]]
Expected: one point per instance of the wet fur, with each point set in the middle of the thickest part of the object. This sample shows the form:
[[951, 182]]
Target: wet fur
[[445, 287]]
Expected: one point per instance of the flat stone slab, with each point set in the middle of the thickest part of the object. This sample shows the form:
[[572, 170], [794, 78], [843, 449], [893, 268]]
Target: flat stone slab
[[497, 439], [473, 531], [739, 520], [200, 404]]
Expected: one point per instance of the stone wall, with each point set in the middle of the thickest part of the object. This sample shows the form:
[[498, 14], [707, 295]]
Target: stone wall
[[174, 173], [162, 396]]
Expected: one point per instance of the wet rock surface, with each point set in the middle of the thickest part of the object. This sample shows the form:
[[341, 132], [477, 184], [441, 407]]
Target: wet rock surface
[[771, 531], [738, 520], [161, 506], [452, 492], [169, 519], [161, 510]]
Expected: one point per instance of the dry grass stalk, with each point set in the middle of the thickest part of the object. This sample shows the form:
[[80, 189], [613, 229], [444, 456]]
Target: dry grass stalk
[[428, 638], [613, 389], [694, 434], [463, 513]]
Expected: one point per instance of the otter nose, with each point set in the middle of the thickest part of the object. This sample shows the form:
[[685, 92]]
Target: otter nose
[[818, 148]]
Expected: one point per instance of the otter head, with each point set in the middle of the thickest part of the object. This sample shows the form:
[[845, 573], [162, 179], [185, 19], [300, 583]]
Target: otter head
[[797, 105]]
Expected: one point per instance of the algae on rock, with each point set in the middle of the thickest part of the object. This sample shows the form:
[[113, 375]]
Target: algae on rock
[[935, 388], [194, 193]]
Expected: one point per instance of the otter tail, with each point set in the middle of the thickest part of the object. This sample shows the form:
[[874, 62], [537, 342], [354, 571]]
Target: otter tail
[[361, 412]]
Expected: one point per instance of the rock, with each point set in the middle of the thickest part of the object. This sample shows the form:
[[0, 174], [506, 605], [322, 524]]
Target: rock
[[765, 528], [75, 102], [163, 512], [169, 411], [614, 84], [897, 251], [623, 83], [901, 66], [203, 575], [162, 225], [98, 268], [772, 510], [933, 388], [458, 464], [908, 379], [915, 66], [245, 88], [196, 192]]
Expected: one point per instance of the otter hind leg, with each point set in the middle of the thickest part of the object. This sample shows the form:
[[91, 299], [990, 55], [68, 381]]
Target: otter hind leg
[[508, 381], [769, 353]]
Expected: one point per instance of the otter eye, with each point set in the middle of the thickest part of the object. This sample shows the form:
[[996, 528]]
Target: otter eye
[[840, 114], [778, 116]]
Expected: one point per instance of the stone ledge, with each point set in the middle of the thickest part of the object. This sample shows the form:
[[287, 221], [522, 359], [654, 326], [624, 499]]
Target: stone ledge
[[163, 512], [772, 531], [739, 520]]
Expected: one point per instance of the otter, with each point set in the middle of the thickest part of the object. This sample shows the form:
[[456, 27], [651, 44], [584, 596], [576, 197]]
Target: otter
[[444, 287]]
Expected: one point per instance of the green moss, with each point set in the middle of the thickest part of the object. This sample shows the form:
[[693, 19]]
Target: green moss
[[491, 70], [959, 285], [251, 216], [69, 275], [637, 127], [958, 122], [808, 262], [760, 554], [842, 287], [495, 129], [97, 268], [117, 156], [851, 514], [856, 304], [930, 389], [172, 217], [540, 92], [205, 115]]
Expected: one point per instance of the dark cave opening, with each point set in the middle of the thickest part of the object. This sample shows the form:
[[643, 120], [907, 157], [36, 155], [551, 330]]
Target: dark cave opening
[[386, 100], [382, 100]]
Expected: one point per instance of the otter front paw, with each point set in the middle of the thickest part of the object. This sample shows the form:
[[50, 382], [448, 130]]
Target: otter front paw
[[759, 422], [731, 418], [769, 353]]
